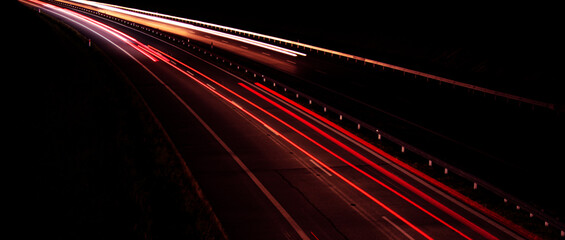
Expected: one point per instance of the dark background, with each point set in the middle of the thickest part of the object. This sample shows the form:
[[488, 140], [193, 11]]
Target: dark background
[[509, 47]]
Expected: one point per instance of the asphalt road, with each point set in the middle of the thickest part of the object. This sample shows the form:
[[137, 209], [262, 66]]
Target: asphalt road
[[270, 170]]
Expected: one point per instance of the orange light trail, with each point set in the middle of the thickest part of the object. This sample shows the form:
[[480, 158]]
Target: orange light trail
[[190, 26], [120, 35], [151, 51], [359, 189]]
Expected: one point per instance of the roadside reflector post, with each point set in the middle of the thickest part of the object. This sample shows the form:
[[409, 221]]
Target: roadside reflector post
[[401, 148], [474, 186], [445, 171]]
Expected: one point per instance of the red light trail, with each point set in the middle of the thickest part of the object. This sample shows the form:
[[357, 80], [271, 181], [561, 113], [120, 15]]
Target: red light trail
[[396, 178], [155, 54]]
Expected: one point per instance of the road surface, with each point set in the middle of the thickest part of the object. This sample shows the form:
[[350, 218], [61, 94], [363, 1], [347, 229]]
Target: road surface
[[270, 169]]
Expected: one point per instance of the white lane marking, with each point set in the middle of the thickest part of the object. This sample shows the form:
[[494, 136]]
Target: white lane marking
[[189, 72], [398, 228], [271, 129], [255, 180], [320, 167], [266, 54], [250, 174], [399, 168], [244, 47], [210, 86], [292, 62], [421, 181]]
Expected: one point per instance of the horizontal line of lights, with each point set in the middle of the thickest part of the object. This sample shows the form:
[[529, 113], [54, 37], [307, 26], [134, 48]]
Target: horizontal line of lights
[[192, 27]]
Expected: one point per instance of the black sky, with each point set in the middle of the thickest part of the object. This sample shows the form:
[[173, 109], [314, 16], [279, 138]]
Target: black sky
[[501, 39]]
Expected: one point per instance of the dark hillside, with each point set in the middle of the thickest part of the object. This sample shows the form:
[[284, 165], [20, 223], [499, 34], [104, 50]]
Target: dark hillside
[[94, 164]]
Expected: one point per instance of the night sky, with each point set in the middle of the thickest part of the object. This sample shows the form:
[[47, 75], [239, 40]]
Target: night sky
[[516, 45], [510, 47]]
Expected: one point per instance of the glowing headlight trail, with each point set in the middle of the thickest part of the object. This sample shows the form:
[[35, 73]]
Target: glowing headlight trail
[[384, 171], [120, 35], [192, 27], [355, 186]]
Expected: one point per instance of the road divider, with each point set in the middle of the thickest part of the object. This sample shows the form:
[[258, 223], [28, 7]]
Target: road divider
[[548, 220]]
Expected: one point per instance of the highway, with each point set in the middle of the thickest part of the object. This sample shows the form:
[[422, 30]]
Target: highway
[[270, 169]]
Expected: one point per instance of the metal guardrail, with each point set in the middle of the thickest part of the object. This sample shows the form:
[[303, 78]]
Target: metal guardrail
[[508, 198], [549, 220], [269, 38]]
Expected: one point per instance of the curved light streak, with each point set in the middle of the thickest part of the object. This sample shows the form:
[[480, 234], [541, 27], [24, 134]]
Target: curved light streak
[[192, 27]]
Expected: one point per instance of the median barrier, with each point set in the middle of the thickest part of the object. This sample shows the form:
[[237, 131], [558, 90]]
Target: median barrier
[[520, 205]]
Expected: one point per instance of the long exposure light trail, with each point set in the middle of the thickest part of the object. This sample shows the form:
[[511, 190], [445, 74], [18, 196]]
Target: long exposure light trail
[[282, 136], [120, 35], [387, 173], [192, 27]]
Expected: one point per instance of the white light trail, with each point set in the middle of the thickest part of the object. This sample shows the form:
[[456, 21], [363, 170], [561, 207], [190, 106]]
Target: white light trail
[[192, 27]]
